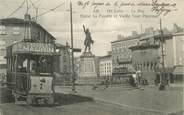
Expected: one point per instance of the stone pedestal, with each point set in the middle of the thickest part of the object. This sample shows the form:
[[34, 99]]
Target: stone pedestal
[[87, 72]]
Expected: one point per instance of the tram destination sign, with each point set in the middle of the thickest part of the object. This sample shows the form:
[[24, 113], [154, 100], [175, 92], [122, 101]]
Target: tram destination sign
[[25, 47]]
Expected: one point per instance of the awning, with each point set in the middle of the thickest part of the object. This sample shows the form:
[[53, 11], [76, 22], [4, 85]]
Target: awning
[[178, 70]]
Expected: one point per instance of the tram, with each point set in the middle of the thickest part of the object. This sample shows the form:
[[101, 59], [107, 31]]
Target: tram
[[30, 72]]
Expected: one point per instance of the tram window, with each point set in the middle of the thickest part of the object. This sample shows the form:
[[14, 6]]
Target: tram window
[[21, 69], [33, 66], [44, 65], [36, 65]]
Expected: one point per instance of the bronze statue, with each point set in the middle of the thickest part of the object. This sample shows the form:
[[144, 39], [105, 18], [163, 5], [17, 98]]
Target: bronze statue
[[88, 40]]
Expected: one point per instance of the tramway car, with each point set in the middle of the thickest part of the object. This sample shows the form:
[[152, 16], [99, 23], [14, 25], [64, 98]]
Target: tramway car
[[30, 72]]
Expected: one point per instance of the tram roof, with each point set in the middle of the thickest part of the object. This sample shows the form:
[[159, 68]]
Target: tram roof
[[36, 53]]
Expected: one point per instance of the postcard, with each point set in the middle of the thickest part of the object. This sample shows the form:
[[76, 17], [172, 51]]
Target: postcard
[[91, 57]]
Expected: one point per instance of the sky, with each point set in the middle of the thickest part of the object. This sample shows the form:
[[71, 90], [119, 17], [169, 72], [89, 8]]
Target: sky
[[103, 29]]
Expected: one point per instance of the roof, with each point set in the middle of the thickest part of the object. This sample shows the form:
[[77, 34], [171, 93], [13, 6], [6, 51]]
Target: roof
[[129, 38], [12, 21], [22, 21], [156, 34]]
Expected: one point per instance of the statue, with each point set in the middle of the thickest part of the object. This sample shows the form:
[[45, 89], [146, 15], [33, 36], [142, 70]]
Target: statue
[[88, 40]]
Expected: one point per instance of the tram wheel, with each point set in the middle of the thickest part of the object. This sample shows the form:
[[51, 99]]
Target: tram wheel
[[40, 101]]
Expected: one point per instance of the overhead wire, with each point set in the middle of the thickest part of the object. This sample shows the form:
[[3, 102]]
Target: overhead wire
[[40, 3], [27, 8], [33, 5], [50, 10], [16, 9], [27, 5]]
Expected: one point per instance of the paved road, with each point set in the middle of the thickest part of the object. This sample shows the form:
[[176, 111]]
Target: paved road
[[86, 108], [149, 99], [162, 102]]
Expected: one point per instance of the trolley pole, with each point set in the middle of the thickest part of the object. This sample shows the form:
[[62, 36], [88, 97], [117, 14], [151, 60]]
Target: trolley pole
[[71, 24]]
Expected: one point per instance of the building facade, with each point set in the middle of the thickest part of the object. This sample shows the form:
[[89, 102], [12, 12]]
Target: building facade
[[175, 53], [121, 54], [176, 50], [105, 66], [143, 51], [63, 68], [147, 56]]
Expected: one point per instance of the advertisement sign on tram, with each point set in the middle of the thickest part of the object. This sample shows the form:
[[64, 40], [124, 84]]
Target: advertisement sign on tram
[[33, 47]]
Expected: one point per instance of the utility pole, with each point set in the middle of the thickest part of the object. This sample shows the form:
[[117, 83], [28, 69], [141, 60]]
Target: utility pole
[[71, 24], [162, 43], [162, 84]]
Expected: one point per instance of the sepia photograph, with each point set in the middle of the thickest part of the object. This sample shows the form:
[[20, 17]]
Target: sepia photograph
[[91, 57]]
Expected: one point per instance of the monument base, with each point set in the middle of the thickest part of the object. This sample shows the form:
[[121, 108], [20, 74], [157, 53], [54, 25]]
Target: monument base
[[87, 73]]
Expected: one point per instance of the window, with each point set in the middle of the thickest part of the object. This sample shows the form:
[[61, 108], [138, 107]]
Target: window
[[2, 44], [64, 59], [2, 29], [16, 30], [151, 65], [64, 51], [64, 68]]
